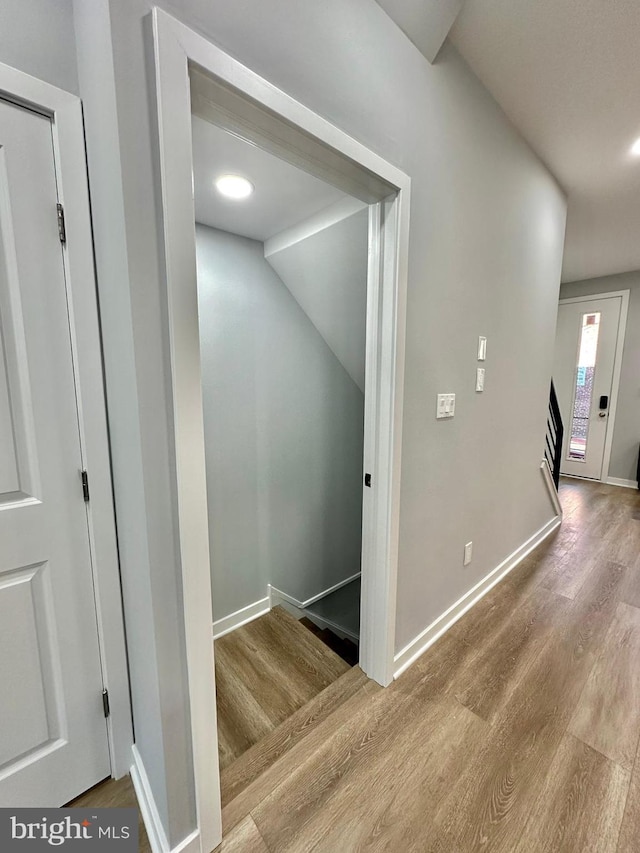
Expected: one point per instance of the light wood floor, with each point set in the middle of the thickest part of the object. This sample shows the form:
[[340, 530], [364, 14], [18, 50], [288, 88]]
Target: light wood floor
[[114, 795], [265, 671], [516, 732]]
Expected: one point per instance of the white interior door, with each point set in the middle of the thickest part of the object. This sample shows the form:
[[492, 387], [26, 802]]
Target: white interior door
[[586, 340], [53, 738]]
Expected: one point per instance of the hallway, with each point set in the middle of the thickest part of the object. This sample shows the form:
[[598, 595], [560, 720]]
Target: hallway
[[517, 731]]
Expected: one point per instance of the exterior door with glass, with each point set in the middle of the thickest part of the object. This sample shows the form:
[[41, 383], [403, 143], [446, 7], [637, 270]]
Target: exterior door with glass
[[585, 356]]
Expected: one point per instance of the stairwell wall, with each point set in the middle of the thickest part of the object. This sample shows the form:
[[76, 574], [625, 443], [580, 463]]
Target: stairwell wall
[[284, 434]]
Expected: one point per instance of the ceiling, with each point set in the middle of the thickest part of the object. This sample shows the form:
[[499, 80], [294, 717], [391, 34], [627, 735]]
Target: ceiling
[[567, 74], [283, 196]]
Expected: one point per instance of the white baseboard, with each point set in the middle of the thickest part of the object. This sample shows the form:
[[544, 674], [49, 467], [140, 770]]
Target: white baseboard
[[617, 481], [437, 628], [551, 486], [294, 606], [240, 617], [150, 815], [146, 802], [325, 592], [263, 605]]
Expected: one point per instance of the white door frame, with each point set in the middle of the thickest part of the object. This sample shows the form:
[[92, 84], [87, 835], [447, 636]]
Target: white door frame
[[617, 367], [333, 151], [65, 112]]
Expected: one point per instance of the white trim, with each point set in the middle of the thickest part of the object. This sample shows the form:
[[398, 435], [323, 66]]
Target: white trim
[[65, 110], [340, 158], [551, 486], [147, 804], [277, 594], [578, 477], [276, 597], [258, 608], [241, 617], [439, 626], [623, 295], [190, 844], [151, 817], [618, 481], [325, 592]]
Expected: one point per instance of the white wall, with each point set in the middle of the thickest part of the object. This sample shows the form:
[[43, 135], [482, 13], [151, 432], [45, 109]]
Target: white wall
[[487, 224], [324, 265], [626, 434], [37, 36], [284, 431]]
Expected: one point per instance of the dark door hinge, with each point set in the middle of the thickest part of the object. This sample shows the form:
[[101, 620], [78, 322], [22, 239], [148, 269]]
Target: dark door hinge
[[367, 480], [105, 703], [62, 231], [85, 485]]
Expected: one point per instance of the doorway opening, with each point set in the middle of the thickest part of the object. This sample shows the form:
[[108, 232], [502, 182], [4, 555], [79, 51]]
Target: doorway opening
[[588, 358], [195, 77], [282, 263]]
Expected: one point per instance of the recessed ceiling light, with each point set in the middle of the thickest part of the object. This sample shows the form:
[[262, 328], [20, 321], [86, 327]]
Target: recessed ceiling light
[[635, 148], [234, 186]]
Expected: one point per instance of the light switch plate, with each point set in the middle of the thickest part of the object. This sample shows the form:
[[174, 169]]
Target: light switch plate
[[468, 553], [482, 348], [446, 406], [480, 379]]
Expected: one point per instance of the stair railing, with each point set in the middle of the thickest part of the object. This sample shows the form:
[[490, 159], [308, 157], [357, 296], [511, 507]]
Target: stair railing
[[554, 436]]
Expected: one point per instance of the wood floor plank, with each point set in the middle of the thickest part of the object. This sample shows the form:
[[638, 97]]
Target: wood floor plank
[[491, 801], [493, 798], [608, 714], [244, 838], [281, 771], [500, 667], [631, 591], [629, 838], [114, 794], [265, 671], [274, 745], [345, 765], [409, 768], [623, 541], [581, 804], [570, 573], [403, 786]]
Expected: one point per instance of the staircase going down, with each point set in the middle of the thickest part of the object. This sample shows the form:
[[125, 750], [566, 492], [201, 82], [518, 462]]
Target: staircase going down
[[281, 689]]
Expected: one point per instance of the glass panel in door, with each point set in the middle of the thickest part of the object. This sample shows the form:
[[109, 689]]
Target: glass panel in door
[[583, 391]]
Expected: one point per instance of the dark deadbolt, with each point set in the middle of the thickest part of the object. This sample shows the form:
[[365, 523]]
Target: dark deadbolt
[[604, 401], [367, 480]]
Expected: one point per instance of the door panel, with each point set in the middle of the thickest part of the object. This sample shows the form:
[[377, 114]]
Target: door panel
[[53, 739], [586, 340]]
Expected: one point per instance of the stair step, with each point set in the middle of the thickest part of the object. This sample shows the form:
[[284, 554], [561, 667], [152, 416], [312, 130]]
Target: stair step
[[343, 647], [266, 671], [308, 649], [246, 770]]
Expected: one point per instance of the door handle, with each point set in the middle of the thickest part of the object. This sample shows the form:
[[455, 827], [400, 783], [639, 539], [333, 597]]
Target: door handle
[[602, 414]]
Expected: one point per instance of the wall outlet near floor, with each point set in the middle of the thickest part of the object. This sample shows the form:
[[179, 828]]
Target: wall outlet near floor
[[468, 553]]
